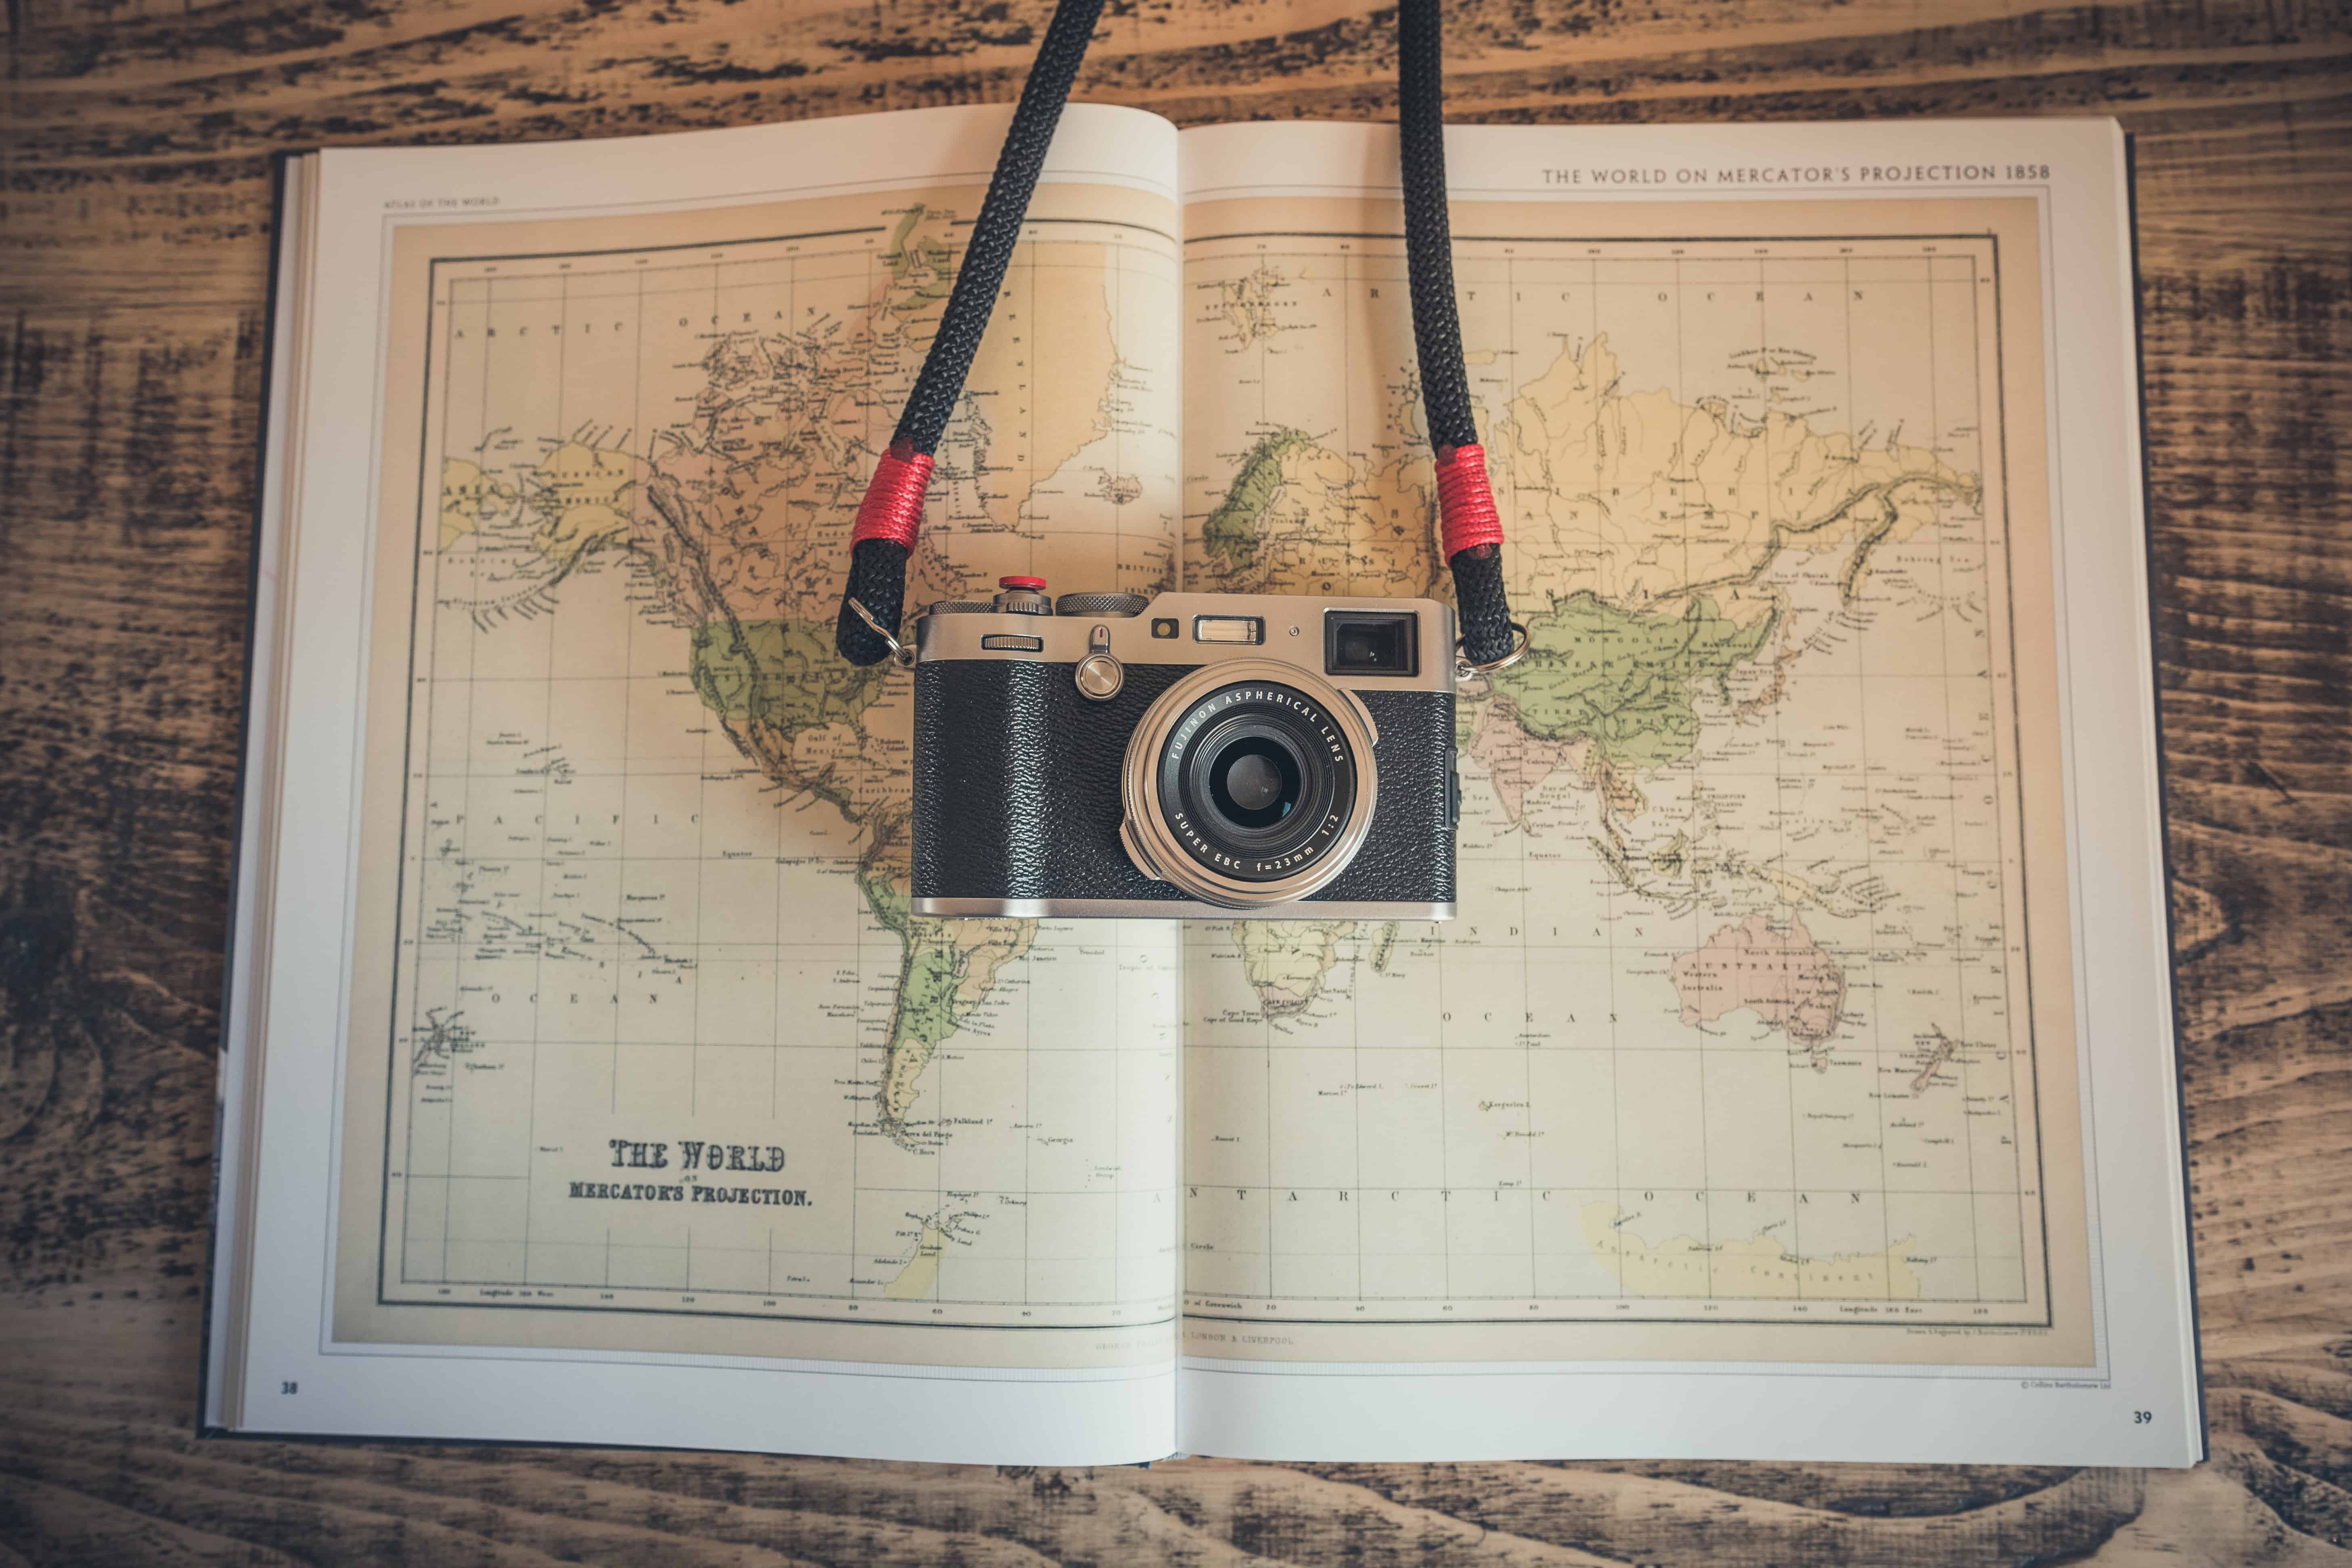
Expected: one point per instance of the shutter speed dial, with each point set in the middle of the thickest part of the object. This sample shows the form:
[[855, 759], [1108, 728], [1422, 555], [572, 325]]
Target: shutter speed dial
[[1118, 605]]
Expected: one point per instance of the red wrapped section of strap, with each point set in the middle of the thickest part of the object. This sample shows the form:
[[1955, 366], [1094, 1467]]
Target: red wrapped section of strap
[[1465, 501], [893, 506]]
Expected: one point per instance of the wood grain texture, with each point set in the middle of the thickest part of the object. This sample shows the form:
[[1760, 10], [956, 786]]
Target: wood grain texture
[[134, 139]]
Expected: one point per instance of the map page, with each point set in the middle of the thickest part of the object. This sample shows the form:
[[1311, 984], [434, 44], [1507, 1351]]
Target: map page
[[1755, 1027], [662, 1058]]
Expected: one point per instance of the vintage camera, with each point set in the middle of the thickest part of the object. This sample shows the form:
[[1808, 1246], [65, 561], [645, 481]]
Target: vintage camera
[[1188, 755]]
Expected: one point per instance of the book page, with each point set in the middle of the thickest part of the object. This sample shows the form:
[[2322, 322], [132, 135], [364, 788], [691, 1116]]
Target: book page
[[646, 1053], [1755, 1041]]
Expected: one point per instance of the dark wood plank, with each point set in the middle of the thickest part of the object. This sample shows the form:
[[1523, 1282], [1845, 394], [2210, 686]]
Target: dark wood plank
[[133, 250]]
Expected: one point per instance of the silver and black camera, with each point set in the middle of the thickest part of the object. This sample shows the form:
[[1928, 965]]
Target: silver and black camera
[[1188, 755]]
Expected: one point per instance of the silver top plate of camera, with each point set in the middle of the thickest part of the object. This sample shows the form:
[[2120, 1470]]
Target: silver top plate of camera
[[1210, 629]]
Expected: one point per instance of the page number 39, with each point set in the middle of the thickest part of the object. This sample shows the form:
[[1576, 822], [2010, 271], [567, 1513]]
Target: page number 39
[[2142, 1417]]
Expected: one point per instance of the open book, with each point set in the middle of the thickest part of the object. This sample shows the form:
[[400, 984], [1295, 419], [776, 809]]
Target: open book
[[1797, 1082]]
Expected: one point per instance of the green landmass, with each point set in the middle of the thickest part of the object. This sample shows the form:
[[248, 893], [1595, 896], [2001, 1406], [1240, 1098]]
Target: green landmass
[[931, 971], [931, 996], [1233, 530], [1623, 679], [784, 674], [911, 253]]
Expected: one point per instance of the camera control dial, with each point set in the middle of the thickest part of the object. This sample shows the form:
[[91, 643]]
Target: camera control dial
[[1100, 675], [1118, 605]]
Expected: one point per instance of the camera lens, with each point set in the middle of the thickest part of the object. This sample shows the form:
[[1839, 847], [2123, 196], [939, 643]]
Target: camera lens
[[1249, 783], [1254, 783], [1258, 780]]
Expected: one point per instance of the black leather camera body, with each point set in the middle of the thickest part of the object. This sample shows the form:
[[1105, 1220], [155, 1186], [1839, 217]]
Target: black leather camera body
[[1189, 755]]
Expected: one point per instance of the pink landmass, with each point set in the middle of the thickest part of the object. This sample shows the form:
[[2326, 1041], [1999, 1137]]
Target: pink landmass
[[1780, 975], [1519, 763], [1515, 759]]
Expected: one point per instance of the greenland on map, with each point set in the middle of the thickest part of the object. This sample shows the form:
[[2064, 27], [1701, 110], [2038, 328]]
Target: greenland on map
[[1737, 1024]]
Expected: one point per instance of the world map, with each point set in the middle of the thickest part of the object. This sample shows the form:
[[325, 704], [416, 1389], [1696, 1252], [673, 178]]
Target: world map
[[1728, 1015], [1730, 1022]]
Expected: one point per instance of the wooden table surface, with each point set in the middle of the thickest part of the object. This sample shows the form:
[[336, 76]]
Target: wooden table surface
[[133, 244]]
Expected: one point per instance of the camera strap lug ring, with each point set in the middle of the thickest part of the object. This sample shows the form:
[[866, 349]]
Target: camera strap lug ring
[[900, 654], [1464, 669]]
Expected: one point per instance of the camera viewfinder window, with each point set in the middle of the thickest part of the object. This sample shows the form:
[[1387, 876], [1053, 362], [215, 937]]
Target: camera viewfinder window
[[1371, 642]]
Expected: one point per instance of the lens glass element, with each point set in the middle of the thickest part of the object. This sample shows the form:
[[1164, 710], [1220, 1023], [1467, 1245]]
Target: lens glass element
[[1256, 781]]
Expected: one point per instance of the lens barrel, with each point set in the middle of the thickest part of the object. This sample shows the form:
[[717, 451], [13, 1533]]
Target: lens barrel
[[1249, 783]]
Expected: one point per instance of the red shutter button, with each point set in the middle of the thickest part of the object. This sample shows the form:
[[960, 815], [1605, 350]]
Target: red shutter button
[[1022, 596]]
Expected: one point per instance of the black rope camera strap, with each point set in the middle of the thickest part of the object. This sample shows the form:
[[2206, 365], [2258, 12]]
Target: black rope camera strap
[[892, 512]]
